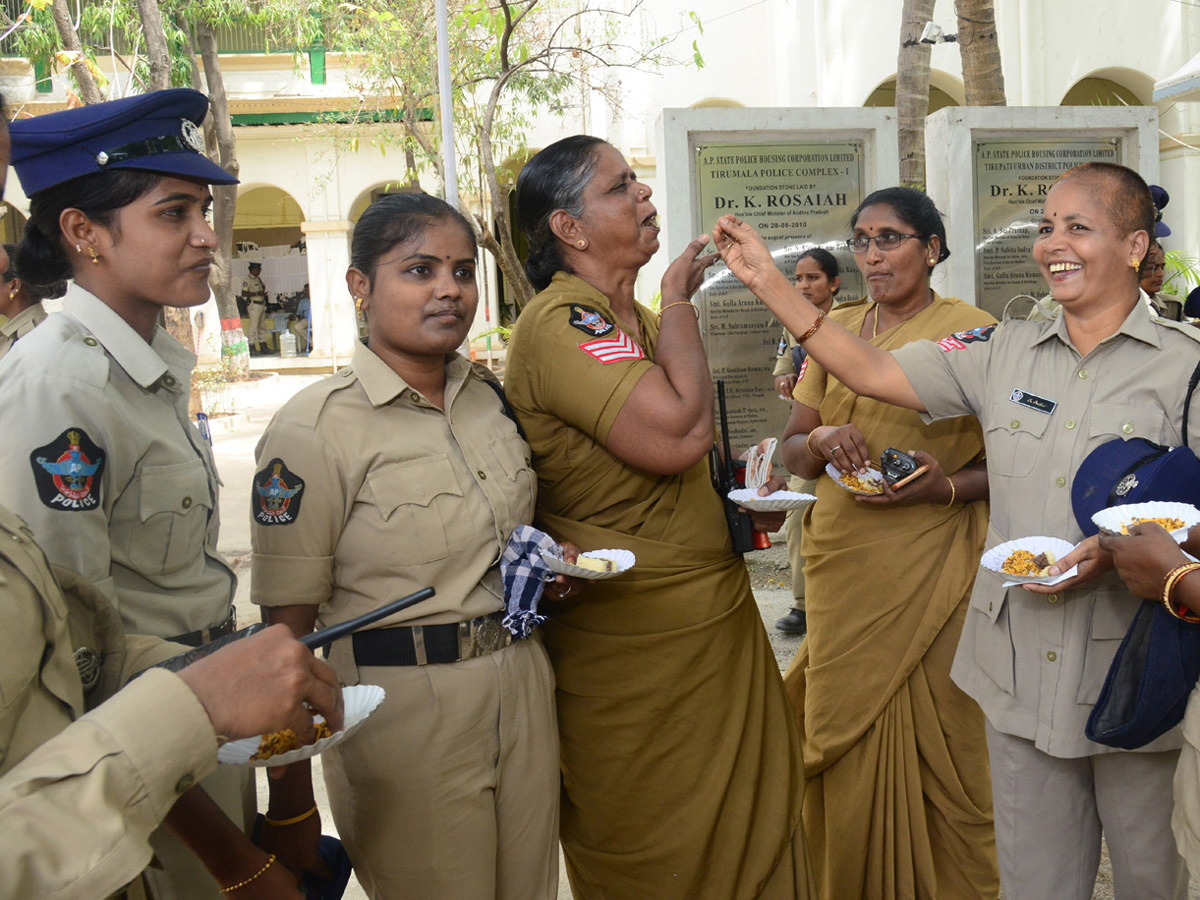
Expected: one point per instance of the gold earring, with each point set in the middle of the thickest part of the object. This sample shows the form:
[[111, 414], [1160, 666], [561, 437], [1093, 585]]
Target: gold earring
[[78, 248], [581, 244], [1134, 262], [358, 304], [12, 294], [95, 256]]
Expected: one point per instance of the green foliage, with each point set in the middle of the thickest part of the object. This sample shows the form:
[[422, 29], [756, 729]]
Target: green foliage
[[1183, 273]]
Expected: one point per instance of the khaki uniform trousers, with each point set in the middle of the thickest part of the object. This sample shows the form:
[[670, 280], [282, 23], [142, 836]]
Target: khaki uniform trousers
[[449, 791], [1050, 813], [792, 528], [255, 310]]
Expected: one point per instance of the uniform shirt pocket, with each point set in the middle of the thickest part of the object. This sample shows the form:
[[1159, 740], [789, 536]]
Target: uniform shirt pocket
[[987, 627], [421, 504], [1013, 439], [1112, 613], [1112, 420], [515, 459], [173, 510]]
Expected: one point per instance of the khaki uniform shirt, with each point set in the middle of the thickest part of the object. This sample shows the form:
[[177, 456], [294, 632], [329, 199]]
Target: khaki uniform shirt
[[77, 812], [100, 458], [366, 491], [20, 325], [253, 288], [1036, 662]]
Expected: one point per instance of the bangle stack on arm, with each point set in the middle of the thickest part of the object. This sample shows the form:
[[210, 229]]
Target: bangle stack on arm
[[1170, 582]]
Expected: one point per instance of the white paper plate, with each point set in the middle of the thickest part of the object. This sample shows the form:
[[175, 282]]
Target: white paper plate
[[994, 558], [1117, 518], [780, 501], [359, 702], [832, 471], [623, 558]]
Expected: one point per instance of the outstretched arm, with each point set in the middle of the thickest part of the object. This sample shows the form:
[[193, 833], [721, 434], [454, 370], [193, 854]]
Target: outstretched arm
[[860, 365]]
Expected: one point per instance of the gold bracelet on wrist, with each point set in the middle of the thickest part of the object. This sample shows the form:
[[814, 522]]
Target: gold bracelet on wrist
[[680, 303], [808, 446], [280, 823], [242, 884], [953, 493], [1170, 582], [812, 328]]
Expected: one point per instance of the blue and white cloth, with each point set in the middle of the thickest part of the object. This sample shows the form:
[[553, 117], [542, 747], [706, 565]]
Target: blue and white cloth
[[525, 576]]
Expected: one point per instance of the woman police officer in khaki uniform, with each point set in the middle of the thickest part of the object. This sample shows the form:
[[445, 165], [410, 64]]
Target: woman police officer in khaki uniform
[[99, 455], [403, 471], [1046, 394]]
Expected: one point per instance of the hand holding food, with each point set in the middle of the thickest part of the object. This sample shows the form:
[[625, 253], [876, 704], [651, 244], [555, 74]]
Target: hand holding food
[[1142, 555], [262, 683], [933, 487], [745, 252], [1092, 562], [843, 446]]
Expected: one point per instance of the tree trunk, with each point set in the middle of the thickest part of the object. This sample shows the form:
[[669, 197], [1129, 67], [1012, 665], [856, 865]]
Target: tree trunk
[[156, 44], [89, 91], [234, 351], [912, 91], [983, 76]]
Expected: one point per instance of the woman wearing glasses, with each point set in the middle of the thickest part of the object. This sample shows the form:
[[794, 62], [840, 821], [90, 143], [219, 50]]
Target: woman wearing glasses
[[897, 802]]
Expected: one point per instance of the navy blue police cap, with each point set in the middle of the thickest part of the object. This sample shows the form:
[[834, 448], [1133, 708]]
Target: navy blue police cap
[[1191, 308], [155, 132], [1132, 471], [1161, 199]]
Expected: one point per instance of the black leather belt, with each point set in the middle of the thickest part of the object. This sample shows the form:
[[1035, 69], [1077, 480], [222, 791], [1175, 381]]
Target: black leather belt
[[419, 645], [204, 635]]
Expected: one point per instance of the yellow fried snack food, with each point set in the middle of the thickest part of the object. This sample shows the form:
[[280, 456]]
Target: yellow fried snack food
[[862, 485], [1168, 524], [285, 741], [1023, 562], [596, 564]]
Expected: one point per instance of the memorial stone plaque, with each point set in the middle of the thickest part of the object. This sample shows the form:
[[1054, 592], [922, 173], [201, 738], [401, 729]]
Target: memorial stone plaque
[[798, 195], [1012, 178]]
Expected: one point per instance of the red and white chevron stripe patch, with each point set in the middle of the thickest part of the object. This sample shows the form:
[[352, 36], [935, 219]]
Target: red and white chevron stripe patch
[[617, 347]]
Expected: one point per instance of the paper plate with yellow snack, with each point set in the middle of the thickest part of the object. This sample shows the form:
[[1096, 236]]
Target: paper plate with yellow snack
[[868, 485], [594, 565], [1025, 560], [1176, 518], [779, 501], [279, 748]]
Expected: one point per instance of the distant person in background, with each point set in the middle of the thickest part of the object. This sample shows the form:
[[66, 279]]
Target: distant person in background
[[298, 321], [254, 293], [21, 303], [1153, 272], [817, 278]]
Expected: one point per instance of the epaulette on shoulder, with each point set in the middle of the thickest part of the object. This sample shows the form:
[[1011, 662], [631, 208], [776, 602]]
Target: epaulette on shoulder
[[485, 374]]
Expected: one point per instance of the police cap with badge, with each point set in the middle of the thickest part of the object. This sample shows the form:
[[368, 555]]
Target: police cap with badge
[[155, 132]]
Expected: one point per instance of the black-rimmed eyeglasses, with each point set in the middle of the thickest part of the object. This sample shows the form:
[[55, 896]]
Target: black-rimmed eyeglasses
[[888, 241]]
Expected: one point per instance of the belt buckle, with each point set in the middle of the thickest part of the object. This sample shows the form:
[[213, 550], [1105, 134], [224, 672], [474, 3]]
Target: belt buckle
[[487, 635]]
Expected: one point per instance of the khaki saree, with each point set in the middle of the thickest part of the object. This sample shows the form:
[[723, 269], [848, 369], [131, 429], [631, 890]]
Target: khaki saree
[[898, 797], [682, 775]]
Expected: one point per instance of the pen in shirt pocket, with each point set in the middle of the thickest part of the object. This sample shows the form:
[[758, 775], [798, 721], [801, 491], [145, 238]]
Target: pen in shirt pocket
[[202, 424]]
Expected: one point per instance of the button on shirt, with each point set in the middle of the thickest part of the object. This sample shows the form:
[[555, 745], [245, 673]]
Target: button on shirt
[[396, 495], [143, 525], [1036, 665]]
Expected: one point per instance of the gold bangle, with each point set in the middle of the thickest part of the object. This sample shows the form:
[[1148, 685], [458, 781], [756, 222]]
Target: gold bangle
[[812, 328], [280, 823], [1170, 582], [680, 303], [953, 493], [808, 446], [242, 884]]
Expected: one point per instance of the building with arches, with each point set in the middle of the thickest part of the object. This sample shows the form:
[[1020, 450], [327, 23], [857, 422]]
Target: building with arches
[[306, 181]]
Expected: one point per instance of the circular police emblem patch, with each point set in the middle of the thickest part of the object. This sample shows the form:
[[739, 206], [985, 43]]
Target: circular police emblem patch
[[67, 471], [193, 136], [277, 493]]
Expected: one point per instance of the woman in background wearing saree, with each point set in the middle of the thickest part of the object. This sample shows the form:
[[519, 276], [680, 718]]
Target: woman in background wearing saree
[[897, 801], [679, 754]]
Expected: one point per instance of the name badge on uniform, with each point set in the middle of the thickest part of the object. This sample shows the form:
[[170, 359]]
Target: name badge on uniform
[[1033, 401]]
